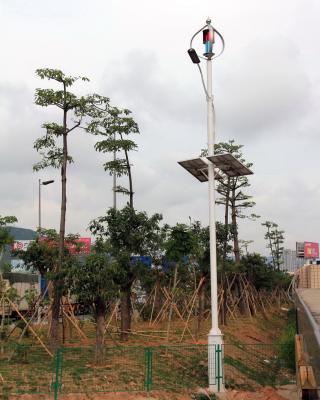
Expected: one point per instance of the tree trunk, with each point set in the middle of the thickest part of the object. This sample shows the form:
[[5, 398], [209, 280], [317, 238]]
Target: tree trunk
[[226, 221], [158, 297], [54, 331], [201, 301], [172, 300], [100, 307], [129, 176], [236, 249], [223, 310], [125, 312], [55, 313], [130, 180]]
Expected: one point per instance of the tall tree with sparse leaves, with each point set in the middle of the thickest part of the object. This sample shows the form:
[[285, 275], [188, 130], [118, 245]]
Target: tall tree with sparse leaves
[[233, 197], [53, 148], [275, 239], [114, 125]]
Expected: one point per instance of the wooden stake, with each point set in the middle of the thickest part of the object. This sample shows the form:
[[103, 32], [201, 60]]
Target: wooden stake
[[34, 333]]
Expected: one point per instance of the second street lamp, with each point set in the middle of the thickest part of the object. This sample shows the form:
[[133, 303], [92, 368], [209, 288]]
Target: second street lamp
[[207, 169], [44, 183]]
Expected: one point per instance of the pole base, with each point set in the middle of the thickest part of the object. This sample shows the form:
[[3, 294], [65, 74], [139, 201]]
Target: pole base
[[215, 361]]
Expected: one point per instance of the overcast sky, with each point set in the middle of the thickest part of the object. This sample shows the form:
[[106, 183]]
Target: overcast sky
[[266, 88]]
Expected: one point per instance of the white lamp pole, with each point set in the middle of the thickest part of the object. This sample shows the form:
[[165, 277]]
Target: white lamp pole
[[215, 337]]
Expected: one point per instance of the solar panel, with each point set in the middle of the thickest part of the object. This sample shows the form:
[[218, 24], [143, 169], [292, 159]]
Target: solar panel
[[228, 164], [198, 168]]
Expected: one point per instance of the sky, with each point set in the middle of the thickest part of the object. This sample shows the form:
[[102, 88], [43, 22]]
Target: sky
[[266, 92]]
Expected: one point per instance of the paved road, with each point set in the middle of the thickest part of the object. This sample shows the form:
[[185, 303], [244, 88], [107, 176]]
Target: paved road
[[311, 298]]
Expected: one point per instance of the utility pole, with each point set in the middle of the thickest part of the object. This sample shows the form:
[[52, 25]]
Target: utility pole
[[208, 169], [215, 337]]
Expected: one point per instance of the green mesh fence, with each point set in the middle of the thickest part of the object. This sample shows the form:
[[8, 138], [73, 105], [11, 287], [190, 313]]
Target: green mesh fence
[[29, 369], [111, 370], [180, 366], [249, 366], [25, 369]]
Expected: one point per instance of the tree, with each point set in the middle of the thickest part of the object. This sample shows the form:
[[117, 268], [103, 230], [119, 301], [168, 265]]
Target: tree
[[115, 125], [233, 197], [5, 237], [244, 245], [275, 240], [181, 243], [56, 155], [93, 284], [129, 233], [42, 255], [261, 275]]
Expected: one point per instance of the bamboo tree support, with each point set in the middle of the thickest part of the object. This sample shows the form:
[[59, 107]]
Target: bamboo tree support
[[172, 300], [153, 303], [163, 309], [175, 308], [195, 295], [114, 312], [146, 302], [31, 329], [80, 332], [37, 305]]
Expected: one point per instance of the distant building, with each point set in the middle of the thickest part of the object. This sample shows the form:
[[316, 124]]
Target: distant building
[[290, 261], [21, 236]]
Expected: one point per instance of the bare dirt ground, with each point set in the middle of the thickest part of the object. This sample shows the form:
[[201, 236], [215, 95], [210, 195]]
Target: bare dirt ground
[[263, 394]]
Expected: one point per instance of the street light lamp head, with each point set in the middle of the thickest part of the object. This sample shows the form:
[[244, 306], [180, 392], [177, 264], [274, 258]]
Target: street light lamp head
[[47, 182], [194, 56]]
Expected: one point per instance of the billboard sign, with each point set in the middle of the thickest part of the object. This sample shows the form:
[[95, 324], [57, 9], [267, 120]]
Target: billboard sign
[[21, 244], [83, 249], [311, 250], [73, 248]]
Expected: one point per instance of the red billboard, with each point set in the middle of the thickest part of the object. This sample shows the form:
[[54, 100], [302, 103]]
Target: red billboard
[[311, 250], [84, 249], [72, 247]]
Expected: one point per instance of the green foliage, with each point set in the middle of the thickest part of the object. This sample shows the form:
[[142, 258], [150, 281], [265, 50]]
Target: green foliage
[[5, 237], [42, 254], [31, 296], [53, 154], [12, 294], [232, 195], [95, 278], [10, 219], [59, 76], [261, 274], [6, 267], [275, 240], [228, 184], [287, 341], [115, 125], [128, 233], [181, 242]]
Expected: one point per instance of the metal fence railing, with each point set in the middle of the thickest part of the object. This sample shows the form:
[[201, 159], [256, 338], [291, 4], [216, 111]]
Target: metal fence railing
[[28, 369], [306, 326], [25, 369]]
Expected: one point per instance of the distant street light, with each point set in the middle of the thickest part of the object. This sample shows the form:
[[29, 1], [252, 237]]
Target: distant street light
[[44, 183], [207, 169]]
